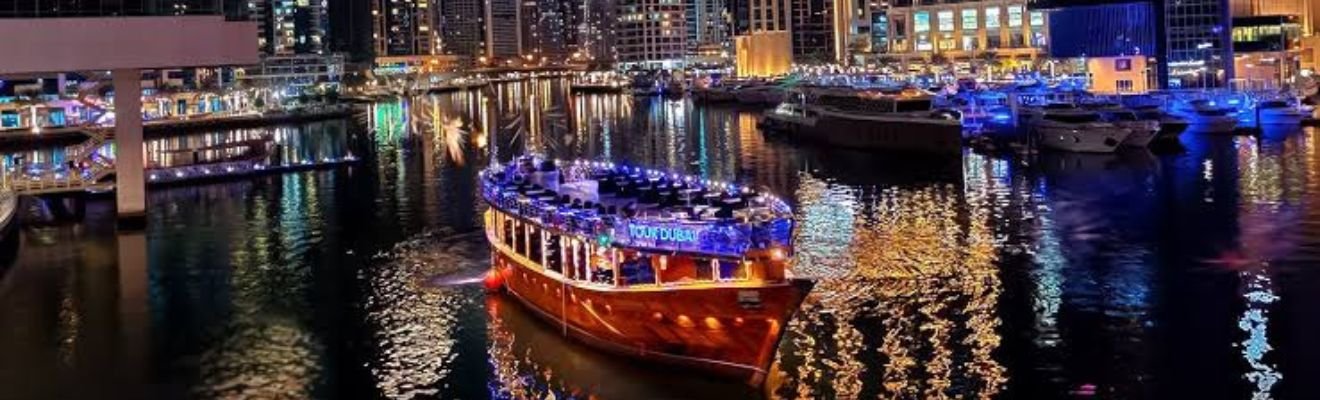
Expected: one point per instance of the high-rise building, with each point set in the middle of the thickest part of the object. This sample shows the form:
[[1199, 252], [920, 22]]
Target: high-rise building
[[708, 24], [553, 29], [652, 34], [598, 35], [287, 27], [766, 47], [813, 31], [1196, 46], [503, 36], [462, 29], [404, 28]]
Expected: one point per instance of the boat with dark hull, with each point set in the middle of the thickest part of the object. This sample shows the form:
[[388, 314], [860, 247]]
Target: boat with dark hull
[[894, 122], [646, 264]]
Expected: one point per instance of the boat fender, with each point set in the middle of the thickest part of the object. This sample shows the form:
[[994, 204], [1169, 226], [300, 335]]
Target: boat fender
[[493, 281]]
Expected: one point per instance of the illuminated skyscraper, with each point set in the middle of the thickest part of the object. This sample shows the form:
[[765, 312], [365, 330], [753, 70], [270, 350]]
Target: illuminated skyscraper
[[652, 34], [287, 27], [404, 28], [597, 39], [503, 33], [708, 24], [462, 27]]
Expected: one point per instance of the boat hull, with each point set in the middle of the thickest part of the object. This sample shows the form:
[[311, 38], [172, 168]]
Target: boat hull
[[1213, 124], [1082, 140], [1142, 133], [880, 133], [713, 329]]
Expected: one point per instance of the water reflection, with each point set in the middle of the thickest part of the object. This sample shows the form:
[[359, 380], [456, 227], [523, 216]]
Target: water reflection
[[1119, 276]]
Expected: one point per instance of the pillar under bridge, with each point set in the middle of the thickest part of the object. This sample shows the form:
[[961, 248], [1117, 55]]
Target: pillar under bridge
[[125, 46]]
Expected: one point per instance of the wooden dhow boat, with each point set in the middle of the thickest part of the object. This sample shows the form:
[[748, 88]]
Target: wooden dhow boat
[[665, 268]]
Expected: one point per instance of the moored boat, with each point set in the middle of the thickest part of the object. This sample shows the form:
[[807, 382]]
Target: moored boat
[[1282, 112], [1142, 130], [647, 264], [902, 122], [1078, 130], [1207, 116]]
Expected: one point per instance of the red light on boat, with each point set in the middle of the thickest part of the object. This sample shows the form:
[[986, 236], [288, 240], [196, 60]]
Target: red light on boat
[[657, 316], [684, 321], [493, 281]]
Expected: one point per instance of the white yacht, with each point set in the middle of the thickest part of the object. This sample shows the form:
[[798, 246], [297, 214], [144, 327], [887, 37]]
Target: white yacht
[[1282, 112], [1205, 115], [1078, 130], [1170, 125], [1142, 130]]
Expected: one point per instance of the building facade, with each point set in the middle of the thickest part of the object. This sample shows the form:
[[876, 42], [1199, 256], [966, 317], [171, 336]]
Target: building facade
[[1196, 46], [812, 31], [287, 27], [462, 28], [598, 35], [708, 25], [1113, 43], [652, 34], [503, 31], [1267, 50], [404, 28], [965, 29], [766, 47]]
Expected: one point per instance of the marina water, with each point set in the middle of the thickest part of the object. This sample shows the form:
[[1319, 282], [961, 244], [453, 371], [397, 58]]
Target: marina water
[[1131, 275]]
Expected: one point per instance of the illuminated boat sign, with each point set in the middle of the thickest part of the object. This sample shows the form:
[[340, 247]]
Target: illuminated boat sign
[[661, 233], [721, 239]]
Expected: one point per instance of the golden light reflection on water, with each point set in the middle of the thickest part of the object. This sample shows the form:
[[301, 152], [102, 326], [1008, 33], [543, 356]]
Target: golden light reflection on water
[[413, 319], [907, 279]]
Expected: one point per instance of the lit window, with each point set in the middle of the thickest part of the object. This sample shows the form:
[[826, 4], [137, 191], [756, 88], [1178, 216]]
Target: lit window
[[992, 18], [946, 21], [1014, 16], [969, 19], [921, 22]]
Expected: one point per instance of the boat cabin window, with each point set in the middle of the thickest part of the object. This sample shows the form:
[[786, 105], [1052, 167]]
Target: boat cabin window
[[1073, 118], [1123, 116], [535, 242], [636, 269], [1274, 104], [554, 255]]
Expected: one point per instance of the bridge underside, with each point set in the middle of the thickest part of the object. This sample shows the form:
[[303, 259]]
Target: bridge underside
[[125, 46]]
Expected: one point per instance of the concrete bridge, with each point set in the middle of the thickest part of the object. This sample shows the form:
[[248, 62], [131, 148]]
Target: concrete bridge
[[125, 46]]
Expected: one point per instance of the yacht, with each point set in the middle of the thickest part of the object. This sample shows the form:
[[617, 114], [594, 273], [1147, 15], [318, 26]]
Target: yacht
[[1143, 130], [1078, 130], [1170, 125], [664, 268], [866, 120], [1282, 112], [1204, 115]]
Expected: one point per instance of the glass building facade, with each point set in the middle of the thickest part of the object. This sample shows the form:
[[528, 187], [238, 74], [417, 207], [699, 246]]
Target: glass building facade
[[1103, 30]]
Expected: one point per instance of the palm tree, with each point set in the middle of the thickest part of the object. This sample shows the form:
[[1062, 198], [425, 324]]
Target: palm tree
[[988, 59]]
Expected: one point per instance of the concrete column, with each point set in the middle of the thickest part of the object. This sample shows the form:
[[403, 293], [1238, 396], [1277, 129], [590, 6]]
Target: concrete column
[[130, 189]]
